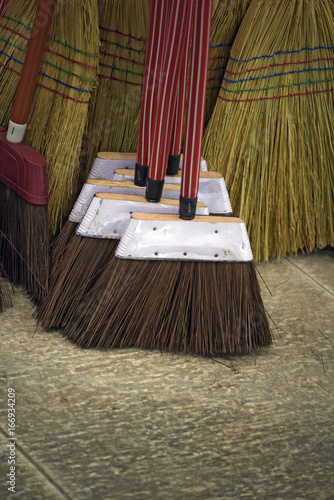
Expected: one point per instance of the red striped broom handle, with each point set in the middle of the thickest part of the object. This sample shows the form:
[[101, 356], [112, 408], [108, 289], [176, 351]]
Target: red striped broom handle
[[176, 139], [199, 60], [178, 33], [32, 63], [2, 6], [153, 63]]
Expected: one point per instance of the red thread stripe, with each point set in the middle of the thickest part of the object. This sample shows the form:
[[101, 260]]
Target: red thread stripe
[[107, 77], [104, 53], [127, 35], [276, 96], [14, 31], [85, 65], [62, 95], [11, 69]]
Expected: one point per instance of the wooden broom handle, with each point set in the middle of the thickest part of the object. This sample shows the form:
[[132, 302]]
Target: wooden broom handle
[[176, 218], [40, 30], [127, 184], [203, 174], [129, 197]]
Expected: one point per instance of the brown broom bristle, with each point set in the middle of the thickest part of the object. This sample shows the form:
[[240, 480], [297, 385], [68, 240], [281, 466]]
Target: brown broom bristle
[[5, 291], [78, 266], [270, 134], [202, 308], [24, 242], [113, 111]]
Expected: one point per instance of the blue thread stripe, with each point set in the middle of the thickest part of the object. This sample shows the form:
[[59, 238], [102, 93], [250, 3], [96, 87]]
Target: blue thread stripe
[[276, 74], [220, 45], [280, 52], [48, 76]]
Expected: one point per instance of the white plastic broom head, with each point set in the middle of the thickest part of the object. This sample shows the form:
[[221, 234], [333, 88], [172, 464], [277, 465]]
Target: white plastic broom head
[[212, 189], [109, 214], [93, 186], [167, 237], [105, 164]]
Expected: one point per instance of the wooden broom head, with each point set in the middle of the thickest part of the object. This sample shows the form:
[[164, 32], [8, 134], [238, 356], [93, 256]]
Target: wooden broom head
[[270, 133]]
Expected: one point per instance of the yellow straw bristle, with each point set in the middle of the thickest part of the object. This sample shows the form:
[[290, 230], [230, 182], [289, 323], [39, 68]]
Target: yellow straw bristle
[[114, 120], [271, 132], [226, 19]]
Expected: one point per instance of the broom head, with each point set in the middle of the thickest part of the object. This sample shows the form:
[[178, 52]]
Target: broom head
[[109, 214]]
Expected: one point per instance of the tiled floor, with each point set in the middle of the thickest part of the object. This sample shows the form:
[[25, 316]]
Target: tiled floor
[[132, 424]]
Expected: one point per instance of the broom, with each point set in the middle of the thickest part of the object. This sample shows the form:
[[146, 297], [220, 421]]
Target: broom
[[226, 19], [60, 106], [67, 277], [201, 307], [123, 30], [23, 190], [274, 112]]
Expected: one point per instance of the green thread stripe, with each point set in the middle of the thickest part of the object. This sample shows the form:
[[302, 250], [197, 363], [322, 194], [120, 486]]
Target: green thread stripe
[[12, 44], [49, 63], [139, 51], [89, 54], [214, 88], [297, 84], [121, 69], [68, 72], [214, 68], [16, 21]]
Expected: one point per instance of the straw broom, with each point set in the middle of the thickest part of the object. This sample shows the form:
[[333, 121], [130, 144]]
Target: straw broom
[[114, 117], [121, 66], [270, 134], [23, 190], [226, 19], [115, 103], [73, 271], [186, 306], [68, 75]]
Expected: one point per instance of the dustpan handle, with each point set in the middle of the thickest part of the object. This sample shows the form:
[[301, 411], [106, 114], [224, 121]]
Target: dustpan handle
[[199, 62], [153, 62], [26, 88]]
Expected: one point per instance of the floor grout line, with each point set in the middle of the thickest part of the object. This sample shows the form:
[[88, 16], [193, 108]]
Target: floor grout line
[[309, 277], [37, 467]]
